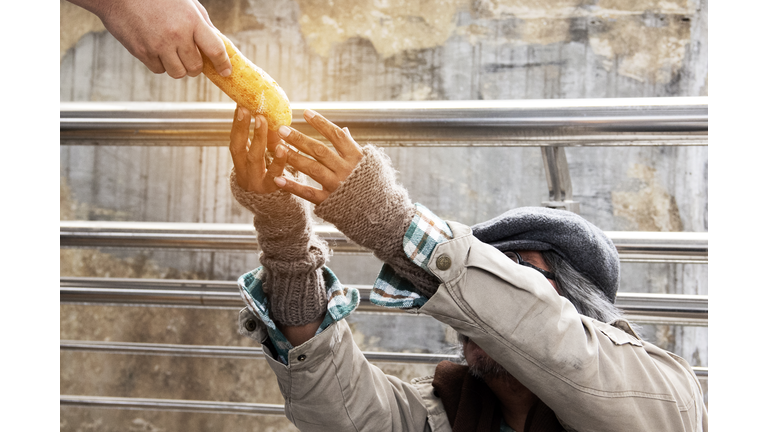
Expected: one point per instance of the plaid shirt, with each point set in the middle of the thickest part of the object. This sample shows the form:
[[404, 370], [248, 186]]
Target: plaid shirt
[[390, 290]]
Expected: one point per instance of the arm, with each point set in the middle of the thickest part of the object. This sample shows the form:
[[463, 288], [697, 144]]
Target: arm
[[163, 34], [326, 381], [292, 254], [360, 195], [593, 375]]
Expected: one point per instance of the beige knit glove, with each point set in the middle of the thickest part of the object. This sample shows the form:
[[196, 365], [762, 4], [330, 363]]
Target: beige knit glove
[[291, 253], [374, 211]]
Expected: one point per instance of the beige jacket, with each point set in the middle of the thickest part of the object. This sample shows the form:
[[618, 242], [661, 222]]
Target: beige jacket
[[594, 376]]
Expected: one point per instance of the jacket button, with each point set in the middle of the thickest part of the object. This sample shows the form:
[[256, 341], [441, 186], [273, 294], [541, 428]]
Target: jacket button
[[443, 262], [301, 357], [250, 325]]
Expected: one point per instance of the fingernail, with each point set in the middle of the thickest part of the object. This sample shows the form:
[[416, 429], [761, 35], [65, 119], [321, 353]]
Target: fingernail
[[226, 72], [309, 113], [257, 123], [346, 130], [241, 113], [280, 181], [284, 131], [280, 151]]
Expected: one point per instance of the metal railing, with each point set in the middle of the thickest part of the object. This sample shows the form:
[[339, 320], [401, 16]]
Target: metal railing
[[213, 351], [213, 407], [543, 123], [679, 121], [670, 247], [643, 308]]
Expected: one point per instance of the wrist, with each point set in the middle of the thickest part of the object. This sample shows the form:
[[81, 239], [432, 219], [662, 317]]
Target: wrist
[[100, 8], [370, 207]]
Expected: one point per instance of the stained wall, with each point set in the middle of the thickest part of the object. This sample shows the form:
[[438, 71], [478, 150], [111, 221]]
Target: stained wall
[[372, 50]]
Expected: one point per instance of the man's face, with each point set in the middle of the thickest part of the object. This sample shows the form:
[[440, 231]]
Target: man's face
[[481, 365]]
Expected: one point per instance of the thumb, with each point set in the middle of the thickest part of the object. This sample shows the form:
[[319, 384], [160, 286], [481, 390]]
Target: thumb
[[211, 45]]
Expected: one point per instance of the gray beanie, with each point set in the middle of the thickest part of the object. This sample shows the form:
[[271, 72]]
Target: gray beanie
[[576, 240]]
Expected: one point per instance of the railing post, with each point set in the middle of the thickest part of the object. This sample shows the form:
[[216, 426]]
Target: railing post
[[558, 179]]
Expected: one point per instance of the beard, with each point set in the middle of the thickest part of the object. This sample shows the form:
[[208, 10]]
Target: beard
[[483, 366], [487, 368]]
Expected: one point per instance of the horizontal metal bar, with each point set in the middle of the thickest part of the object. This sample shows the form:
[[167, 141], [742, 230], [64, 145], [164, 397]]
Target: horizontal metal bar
[[560, 122], [229, 351], [213, 407], [646, 308], [670, 247], [251, 352]]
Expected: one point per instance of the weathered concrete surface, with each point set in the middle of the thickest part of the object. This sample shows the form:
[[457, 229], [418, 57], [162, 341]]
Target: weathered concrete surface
[[371, 50]]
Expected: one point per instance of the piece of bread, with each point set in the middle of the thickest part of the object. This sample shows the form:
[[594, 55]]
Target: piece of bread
[[251, 87]]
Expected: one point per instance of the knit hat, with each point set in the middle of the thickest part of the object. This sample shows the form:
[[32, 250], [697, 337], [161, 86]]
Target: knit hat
[[576, 240]]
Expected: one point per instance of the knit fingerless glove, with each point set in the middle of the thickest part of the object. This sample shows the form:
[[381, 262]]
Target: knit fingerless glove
[[374, 211], [291, 253]]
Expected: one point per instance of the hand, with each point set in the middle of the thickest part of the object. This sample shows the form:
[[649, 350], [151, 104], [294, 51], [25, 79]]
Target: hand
[[249, 156], [164, 34], [329, 169]]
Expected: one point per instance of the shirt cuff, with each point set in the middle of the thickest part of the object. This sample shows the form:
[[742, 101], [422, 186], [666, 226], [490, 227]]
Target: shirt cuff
[[341, 302], [424, 233]]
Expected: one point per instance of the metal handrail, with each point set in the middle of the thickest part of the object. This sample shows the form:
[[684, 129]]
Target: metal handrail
[[172, 405], [670, 247], [215, 351], [230, 351], [680, 121], [644, 308]]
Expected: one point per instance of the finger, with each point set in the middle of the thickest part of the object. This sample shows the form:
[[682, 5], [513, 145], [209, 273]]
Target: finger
[[256, 160], [278, 163], [273, 139], [340, 139], [203, 12], [154, 64], [310, 146], [191, 58], [213, 47], [315, 170], [173, 65], [238, 141], [315, 196]]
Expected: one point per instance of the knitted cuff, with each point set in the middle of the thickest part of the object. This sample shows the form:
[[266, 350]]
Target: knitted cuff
[[291, 253], [374, 211]]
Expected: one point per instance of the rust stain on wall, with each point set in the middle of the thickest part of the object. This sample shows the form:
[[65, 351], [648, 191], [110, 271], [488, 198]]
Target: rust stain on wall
[[644, 40], [650, 207], [74, 23], [392, 26], [527, 9], [643, 52]]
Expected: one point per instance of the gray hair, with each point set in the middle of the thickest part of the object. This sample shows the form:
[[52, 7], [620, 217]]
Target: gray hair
[[588, 299], [585, 295]]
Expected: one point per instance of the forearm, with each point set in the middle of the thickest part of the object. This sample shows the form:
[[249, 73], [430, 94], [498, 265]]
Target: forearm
[[292, 254], [373, 210], [571, 362], [297, 335], [329, 385]]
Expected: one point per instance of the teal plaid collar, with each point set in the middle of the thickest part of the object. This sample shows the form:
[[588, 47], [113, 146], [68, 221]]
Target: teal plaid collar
[[341, 302]]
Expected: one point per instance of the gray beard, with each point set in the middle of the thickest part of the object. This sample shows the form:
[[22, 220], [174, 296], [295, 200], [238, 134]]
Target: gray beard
[[487, 368]]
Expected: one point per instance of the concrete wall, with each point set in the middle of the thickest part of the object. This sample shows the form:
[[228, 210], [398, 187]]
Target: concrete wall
[[371, 50]]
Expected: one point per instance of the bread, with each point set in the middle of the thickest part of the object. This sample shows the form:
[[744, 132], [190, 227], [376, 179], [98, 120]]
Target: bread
[[251, 87]]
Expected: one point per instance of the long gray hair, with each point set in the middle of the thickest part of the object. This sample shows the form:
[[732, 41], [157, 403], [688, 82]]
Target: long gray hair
[[585, 296]]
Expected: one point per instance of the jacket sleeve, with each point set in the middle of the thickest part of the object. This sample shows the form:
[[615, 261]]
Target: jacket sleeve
[[328, 385], [594, 376]]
